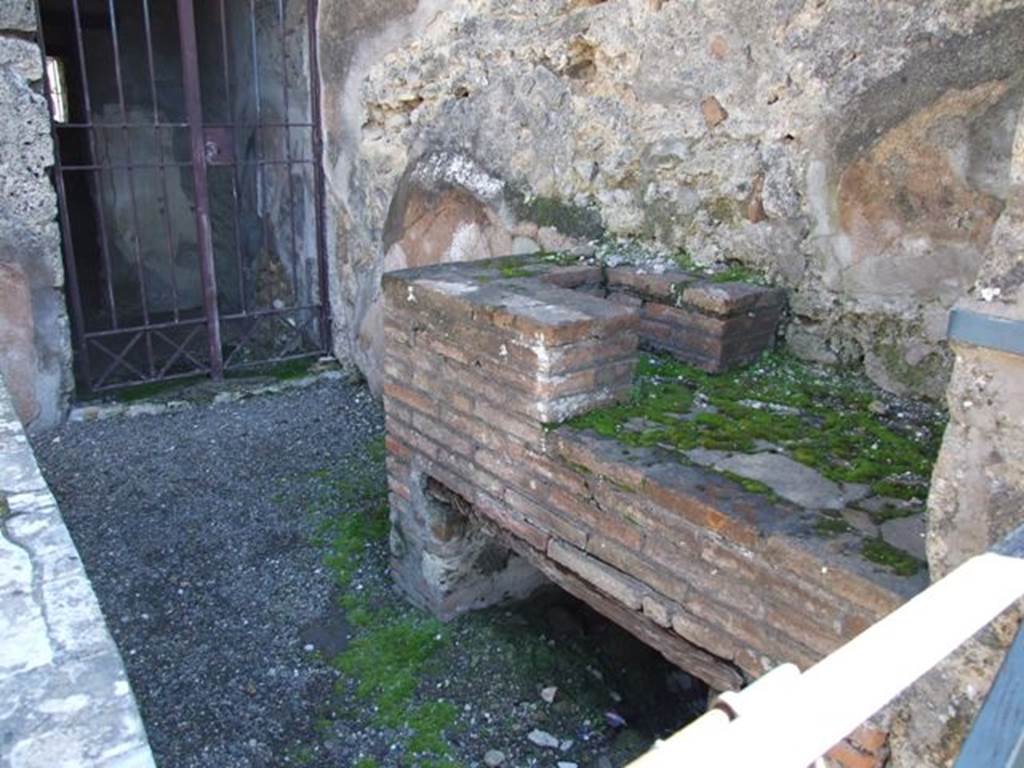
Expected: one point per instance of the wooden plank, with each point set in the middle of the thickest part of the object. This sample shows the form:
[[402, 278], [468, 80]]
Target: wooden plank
[[997, 738]]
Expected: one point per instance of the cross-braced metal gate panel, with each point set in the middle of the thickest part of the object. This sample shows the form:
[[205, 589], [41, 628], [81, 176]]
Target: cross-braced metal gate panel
[[187, 142]]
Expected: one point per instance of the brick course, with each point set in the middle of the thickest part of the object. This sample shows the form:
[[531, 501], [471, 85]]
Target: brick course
[[480, 368]]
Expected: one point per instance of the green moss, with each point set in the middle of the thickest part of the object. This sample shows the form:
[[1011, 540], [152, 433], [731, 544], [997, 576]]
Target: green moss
[[891, 512], [514, 270], [394, 648], [387, 663], [738, 273], [819, 417], [303, 755], [917, 377], [151, 390], [732, 272], [366, 762], [901, 490], [428, 723], [573, 220], [880, 551], [624, 487], [578, 468], [561, 258], [363, 495], [754, 486], [685, 261], [827, 525]]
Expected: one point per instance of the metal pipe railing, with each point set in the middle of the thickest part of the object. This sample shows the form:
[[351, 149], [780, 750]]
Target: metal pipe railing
[[788, 719]]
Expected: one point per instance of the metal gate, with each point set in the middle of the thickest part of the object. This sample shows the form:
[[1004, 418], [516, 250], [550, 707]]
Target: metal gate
[[187, 166]]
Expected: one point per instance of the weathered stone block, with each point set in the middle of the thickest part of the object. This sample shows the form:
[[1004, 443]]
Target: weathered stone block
[[616, 584]]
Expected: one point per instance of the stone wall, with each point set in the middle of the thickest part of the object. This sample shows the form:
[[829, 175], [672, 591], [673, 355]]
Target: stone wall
[[35, 355], [977, 494], [858, 154]]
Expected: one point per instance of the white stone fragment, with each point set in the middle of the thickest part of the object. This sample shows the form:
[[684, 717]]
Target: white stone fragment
[[543, 739]]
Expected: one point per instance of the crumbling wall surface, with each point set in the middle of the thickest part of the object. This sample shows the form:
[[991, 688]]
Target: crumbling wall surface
[[858, 152], [977, 494], [34, 338]]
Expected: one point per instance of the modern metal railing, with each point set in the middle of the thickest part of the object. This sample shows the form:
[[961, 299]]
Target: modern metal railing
[[789, 718]]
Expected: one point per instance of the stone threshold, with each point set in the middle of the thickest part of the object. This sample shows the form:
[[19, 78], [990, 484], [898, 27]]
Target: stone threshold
[[66, 697], [207, 393]]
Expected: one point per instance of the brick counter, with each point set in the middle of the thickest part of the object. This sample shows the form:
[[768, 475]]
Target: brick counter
[[482, 363]]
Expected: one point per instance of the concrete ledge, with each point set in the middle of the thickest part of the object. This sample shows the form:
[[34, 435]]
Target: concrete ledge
[[65, 699]]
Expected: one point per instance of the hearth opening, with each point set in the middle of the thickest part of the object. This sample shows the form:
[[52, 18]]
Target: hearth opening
[[635, 689]]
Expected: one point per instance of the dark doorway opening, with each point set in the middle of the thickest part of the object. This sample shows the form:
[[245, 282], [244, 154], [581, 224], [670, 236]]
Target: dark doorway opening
[[187, 168]]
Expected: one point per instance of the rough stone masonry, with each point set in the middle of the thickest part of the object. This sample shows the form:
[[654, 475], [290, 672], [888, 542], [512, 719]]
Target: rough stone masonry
[[859, 153], [35, 344]]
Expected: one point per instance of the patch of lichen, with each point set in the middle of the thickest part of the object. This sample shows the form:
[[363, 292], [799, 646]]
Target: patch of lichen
[[572, 220], [723, 210], [819, 417], [881, 552], [919, 376]]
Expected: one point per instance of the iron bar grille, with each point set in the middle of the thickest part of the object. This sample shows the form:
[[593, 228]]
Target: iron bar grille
[[187, 168]]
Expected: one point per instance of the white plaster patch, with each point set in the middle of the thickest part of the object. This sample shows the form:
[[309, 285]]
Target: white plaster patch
[[67, 705], [461, 171], [468, 244]]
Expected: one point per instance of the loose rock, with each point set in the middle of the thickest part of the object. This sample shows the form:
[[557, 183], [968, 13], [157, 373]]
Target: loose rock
[[543, 739]]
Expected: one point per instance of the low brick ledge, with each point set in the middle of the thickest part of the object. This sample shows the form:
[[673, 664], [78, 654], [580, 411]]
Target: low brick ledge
[[65, 696], [481, 360]]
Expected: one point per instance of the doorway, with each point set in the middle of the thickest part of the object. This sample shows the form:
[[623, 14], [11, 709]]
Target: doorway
[[187, 142]]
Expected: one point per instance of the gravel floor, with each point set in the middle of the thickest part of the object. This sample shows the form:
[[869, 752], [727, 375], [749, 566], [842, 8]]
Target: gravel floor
[[202, 531], [205, 578]]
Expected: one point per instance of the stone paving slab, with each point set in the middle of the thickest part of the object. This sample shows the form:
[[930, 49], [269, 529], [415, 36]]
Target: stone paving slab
[[65, 700]]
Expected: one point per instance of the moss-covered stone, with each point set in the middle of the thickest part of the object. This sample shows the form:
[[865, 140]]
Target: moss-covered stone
[[723, 210], [881, 552], [510, 270], [572, 220], [754, 486], [827, 525], [914, 377], [820, 417]]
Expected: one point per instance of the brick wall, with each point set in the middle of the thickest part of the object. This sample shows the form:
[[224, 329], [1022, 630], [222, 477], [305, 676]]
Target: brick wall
[[480, 369]]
